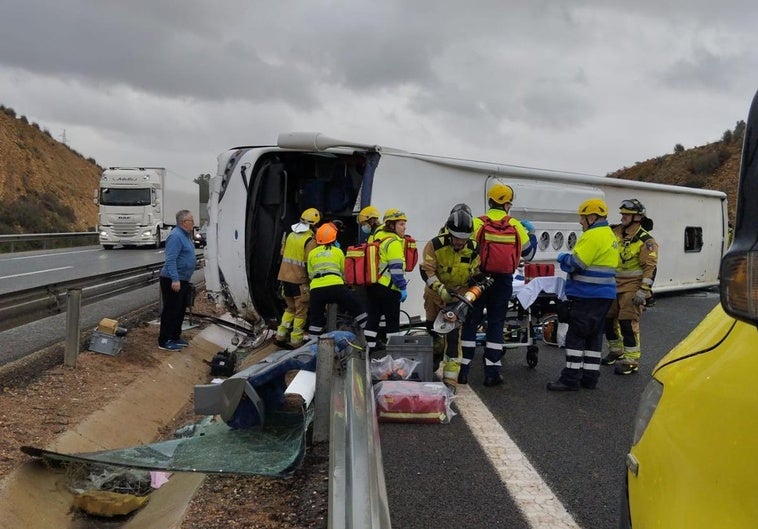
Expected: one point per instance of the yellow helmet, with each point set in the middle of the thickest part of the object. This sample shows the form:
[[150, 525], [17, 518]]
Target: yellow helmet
[[500, 193], [394, 214], [593, 206], [326, 234], [369, 212], [310, 216]]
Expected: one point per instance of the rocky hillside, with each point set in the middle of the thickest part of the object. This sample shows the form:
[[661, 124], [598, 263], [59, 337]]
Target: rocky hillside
[[47, 187], [44, 185], [713, 166]]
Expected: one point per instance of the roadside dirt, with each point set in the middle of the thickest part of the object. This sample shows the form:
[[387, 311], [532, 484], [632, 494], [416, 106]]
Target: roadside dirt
[[36, 412]]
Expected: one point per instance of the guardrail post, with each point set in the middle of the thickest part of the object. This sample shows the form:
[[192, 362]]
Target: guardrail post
[[322, 398], [73, 304]]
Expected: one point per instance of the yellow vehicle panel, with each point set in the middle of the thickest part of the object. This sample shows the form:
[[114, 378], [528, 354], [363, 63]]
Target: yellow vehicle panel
[[698, 457]]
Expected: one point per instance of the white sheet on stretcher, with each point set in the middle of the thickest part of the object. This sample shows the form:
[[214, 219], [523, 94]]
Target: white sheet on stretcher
[[528, 293]]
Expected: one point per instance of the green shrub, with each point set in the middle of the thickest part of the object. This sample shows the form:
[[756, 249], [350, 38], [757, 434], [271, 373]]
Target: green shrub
[[706, 163]]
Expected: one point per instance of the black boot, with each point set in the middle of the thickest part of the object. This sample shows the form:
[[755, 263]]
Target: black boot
[[559, 385], [493, 381]]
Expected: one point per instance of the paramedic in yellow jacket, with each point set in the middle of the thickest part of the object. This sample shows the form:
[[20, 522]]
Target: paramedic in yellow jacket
[[294, 278], [495, 299], [385, 296], [326, 270], [591, 289], [449, 262], [634, 281]]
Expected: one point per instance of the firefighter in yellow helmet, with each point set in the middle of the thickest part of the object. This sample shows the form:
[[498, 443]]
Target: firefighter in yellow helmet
[[449, 262], [634, 282], [495, 299], [326, 270], [385, 296], [590, 288], [294, 279]]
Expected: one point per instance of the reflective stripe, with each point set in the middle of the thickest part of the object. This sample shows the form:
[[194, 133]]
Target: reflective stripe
[[467, 343], [500, 238], [630, 273], [293, 261], [489, 363], [601, 269], [574, 365], [595, 280], [493, 345]]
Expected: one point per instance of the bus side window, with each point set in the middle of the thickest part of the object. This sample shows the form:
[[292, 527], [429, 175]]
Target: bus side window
[[693, 239]]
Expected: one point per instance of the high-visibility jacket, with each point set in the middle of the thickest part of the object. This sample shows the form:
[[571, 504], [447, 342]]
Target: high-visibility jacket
[[378, 231], [440, 262], [326, 266], [591, 268], [638, 253], [294, 255], [391, 260]]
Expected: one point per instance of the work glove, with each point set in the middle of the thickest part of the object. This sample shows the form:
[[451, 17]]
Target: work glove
[[639, 297], [440, 289], [403, 295], [564, 259]]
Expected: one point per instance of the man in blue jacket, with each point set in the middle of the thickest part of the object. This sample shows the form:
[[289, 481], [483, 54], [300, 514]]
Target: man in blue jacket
[[175, 281]]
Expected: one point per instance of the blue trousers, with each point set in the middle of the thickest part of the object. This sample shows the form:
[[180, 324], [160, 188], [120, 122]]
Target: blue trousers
[[495, 300]]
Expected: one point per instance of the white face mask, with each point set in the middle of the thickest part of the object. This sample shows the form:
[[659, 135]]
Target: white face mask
[[365, 228]]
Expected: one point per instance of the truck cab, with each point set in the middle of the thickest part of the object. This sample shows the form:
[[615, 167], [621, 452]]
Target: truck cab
[[693, 460], [130, 201]]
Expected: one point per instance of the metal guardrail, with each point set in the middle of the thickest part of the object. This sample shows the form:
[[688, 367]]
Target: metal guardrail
[[18, 308], [357, 490], [29, 237]]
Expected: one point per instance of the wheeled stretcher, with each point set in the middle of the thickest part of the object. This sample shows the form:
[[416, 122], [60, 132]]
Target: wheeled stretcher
[[532, 303]]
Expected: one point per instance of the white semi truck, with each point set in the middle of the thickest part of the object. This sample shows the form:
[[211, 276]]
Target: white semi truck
[[138, 205]]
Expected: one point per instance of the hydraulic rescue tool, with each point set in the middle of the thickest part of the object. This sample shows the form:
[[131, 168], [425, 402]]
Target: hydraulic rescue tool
[[452, 316]]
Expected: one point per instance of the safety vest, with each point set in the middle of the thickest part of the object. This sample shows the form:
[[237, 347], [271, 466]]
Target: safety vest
[[294, 252], [325, 266]]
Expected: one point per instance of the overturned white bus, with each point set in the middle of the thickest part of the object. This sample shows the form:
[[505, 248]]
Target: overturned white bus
[[259, 191]]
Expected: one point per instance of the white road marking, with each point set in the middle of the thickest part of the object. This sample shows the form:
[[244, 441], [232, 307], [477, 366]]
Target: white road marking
[[48, 255], [539, 505], [37, 272]]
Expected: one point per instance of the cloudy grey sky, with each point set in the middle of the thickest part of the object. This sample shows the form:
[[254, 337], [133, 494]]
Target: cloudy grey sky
[[586, 86]]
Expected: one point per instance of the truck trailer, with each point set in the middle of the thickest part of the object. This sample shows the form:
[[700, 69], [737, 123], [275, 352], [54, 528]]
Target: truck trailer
[[260, 191], [138, 205]]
